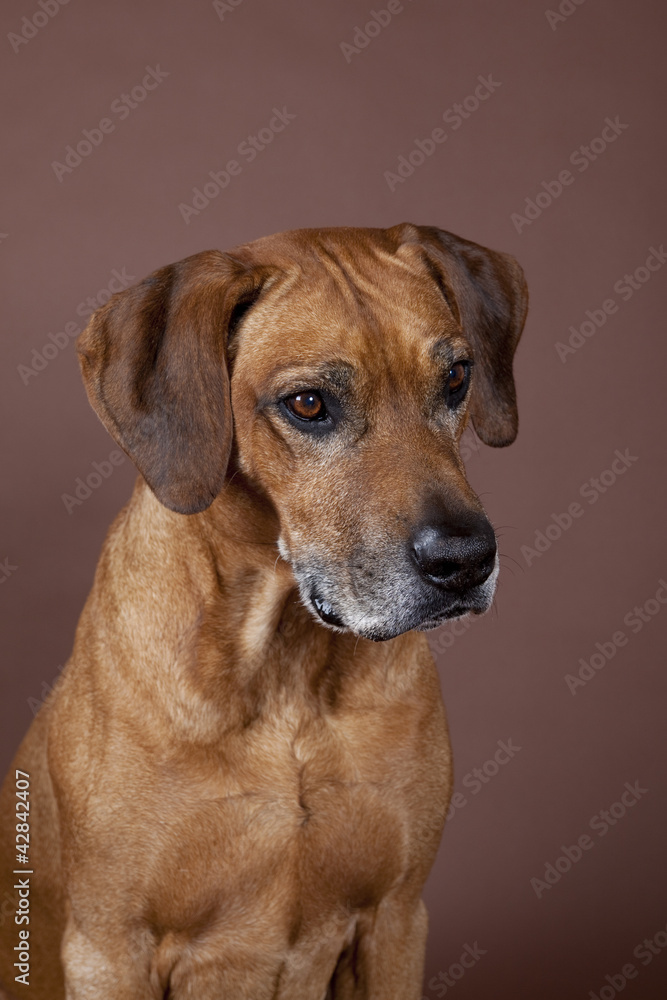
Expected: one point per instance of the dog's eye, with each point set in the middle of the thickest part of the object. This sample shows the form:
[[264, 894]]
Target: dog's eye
[[458, 380], [307, 406]]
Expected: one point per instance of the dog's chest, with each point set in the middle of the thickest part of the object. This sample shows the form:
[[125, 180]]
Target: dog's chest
[[317, 815]]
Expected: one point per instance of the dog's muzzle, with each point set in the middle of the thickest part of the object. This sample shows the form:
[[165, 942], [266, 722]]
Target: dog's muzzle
[[439, 574]]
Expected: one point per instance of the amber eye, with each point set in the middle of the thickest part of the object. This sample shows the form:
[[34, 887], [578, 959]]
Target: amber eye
[[457, 376], [457, 382], [306, 406]]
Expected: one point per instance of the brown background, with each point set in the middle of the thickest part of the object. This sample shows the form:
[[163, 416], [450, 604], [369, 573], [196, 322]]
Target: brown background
[[504, 677]]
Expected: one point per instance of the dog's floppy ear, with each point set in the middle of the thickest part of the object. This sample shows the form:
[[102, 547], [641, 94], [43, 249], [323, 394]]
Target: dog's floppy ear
[[487, 293], [154, 365]]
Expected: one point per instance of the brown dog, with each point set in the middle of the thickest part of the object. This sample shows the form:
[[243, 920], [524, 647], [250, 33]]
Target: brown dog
[[236, 790]]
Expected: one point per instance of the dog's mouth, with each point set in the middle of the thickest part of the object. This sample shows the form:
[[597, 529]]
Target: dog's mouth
[[399, 603], [456, 611], [379, 630], [326, 613]]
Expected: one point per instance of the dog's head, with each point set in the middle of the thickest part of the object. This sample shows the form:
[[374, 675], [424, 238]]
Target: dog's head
[[343, 365]]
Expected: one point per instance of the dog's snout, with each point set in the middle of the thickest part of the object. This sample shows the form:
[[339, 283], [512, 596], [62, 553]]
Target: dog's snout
[[455, 558]]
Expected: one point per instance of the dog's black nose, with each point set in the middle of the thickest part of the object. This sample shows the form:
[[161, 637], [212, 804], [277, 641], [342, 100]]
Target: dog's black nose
[[453, 556]]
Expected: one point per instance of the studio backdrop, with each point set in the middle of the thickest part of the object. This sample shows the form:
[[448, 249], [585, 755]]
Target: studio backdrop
[[135, 134]]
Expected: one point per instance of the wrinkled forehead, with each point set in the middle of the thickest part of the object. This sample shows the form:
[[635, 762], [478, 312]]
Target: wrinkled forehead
[[375, 309]]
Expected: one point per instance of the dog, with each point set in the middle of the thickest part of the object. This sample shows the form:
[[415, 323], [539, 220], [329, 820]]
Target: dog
[[239, 784]]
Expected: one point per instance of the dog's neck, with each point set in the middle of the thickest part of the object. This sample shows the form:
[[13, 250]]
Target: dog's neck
[[228, 636]]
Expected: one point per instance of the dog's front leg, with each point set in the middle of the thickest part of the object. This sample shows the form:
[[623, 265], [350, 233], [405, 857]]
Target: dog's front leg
[[98, 964], [386, 959]]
